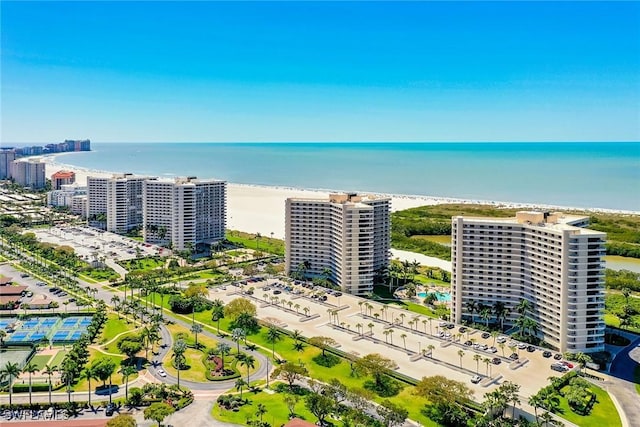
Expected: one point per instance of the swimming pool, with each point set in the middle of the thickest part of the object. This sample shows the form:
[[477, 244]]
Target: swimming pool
[[441, 296]]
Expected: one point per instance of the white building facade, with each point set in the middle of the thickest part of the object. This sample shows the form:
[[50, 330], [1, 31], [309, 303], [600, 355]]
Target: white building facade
[[550, 260], [28, 173], [124, 202], [96, 197], [347, 236], [64, 196], [184, 212]]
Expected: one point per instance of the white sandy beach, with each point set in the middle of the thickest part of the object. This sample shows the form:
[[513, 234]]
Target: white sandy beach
[[260, 209]]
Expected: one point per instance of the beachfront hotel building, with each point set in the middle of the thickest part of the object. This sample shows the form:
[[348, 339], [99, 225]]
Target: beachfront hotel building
[[183, 212], [550, 260], [124, 202], [347, 235], [61, 178]]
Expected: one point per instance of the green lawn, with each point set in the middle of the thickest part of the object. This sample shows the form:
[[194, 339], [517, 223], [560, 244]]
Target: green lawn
[[604, 413], [40, 360], [100, 274], [143, 264], [117, 379], [57, 359], [112, 327], [264, 244], [113, 347], [277, 413], [443, 240]]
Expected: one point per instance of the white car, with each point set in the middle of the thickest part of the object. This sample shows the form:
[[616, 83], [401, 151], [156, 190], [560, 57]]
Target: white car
[[162, 373], [522, 346], [476, 379], [502, 339]]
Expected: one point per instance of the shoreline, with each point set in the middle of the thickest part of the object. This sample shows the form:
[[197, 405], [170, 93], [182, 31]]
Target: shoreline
[[413, 200]]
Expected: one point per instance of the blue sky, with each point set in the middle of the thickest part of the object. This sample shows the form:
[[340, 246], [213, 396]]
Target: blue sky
[[328, 71]]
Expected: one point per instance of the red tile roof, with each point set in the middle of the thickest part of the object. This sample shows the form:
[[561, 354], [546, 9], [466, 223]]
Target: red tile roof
[[63, 175], [12, 290], [4, 280]]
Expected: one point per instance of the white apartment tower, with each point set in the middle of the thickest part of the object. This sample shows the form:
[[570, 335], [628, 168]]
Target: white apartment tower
[[7, 156], [183, 212], [96, 196], [347, 234], [550, 260], [124, 202], [28, 173]]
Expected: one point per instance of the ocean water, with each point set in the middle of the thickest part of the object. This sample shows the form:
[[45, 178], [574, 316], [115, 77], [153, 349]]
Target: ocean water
[[585, 175]]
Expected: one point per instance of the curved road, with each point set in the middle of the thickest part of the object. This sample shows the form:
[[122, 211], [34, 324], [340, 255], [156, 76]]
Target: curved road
[[621, 371]]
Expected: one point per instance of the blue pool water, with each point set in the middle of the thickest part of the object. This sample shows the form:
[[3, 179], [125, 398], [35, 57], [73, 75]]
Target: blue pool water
[[442, 296]]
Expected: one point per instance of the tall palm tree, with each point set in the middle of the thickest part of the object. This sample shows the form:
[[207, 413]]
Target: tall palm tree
[[196, 329], [431, 347], [273, 336], [477, 358], [223, 349], [89, 374], [30, 369], [471, 308], [11, 370], [217, 313], [240, 383], [179, 347], [49, 371], [461, 355], [523, 307], [126, 372], [404, 340], [249, 362]]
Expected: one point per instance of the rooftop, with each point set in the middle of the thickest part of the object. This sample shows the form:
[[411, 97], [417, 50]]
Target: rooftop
[[63, 175]]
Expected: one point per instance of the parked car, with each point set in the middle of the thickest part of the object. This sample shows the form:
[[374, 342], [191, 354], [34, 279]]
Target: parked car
[[468, 343], [567, 364], [462, 329], [492, 350], [531, 349], [502, 339], [476, 379], [559, 367], [522, 346], [162, 373], [514, 356], [557, 356], [496, 361], [110, 409], [486, 335], [24, 275], [29, 294], [546, 354]]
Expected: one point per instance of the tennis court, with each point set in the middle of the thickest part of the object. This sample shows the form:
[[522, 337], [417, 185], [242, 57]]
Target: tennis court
[[71, 329], [4, 322], [52, 329]]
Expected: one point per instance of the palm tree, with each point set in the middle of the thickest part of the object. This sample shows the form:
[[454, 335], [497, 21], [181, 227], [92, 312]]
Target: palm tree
[[404, 340], [370, 326], [240, 383], [217, 313], [236, 335], [386, 335], [461, 354], [179, 347], [223, 349], [11, 370], [127, 371], [89, 374], [250, 362], [273, 336], [485, 314], [487, 362], [477, 359], [48, 371], [30, 369], [261, 411], [582, 360], [536, 402], [431, 347], [391, 331], [196, 329]]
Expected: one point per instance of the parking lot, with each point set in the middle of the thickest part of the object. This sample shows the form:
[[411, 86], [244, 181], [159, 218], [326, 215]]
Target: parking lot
[[420, 346], [87, 242], [38, 290]]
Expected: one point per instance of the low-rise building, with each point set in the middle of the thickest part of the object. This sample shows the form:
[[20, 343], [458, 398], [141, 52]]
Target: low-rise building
[[61, 178]]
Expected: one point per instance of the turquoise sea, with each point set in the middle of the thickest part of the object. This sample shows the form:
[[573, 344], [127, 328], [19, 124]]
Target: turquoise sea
[[586, 175]]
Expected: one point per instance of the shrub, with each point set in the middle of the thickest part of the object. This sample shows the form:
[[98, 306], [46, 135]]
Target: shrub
[[328, 360]]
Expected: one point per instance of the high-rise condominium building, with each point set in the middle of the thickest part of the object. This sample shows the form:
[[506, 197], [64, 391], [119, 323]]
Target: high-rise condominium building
[[97, 199], [28, 173], [346, 235], [549, 260], [184, 212], [124, 202], [6, 158]]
